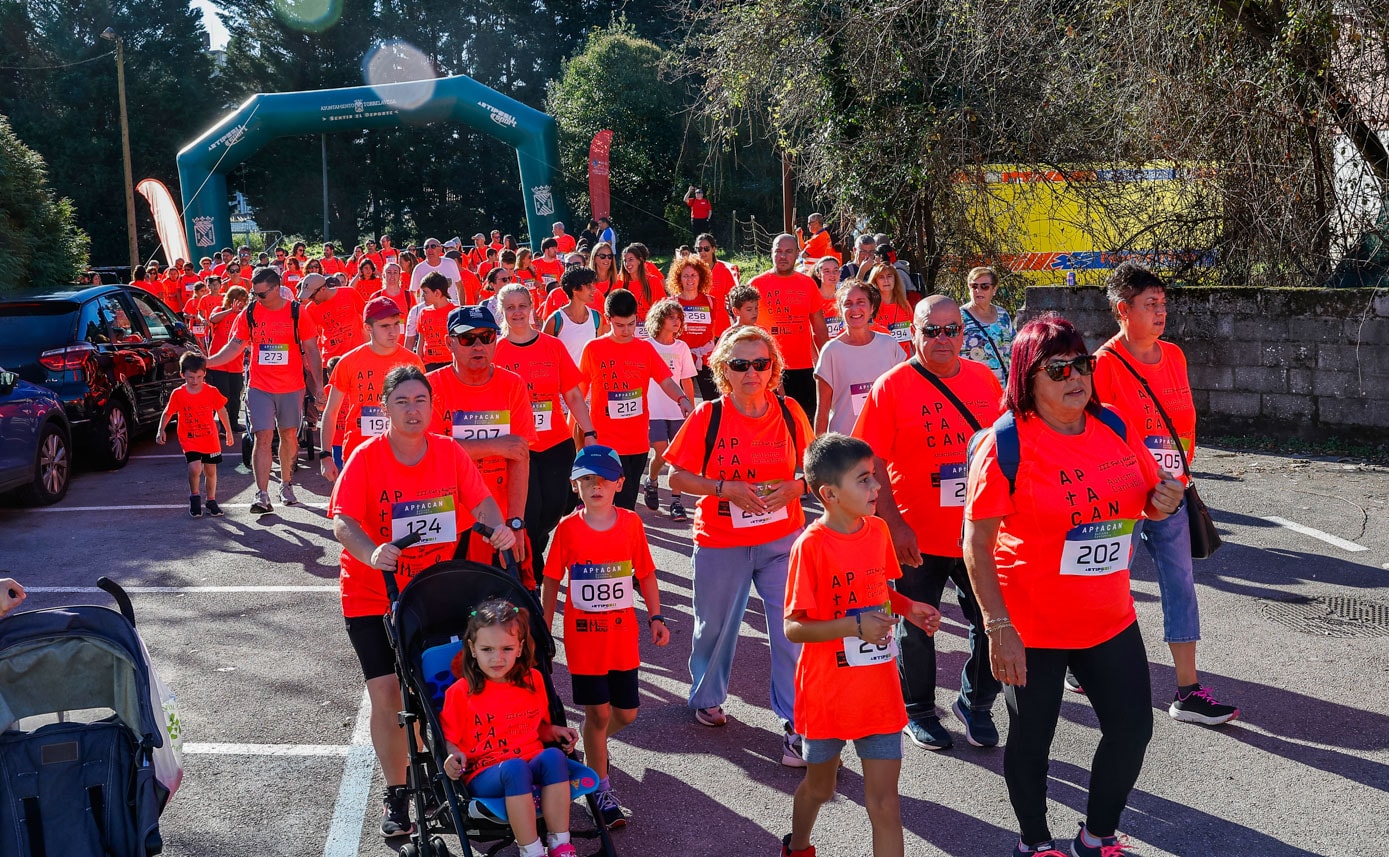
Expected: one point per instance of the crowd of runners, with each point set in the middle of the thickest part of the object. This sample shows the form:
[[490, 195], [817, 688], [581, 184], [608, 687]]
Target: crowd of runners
[[547, 396]]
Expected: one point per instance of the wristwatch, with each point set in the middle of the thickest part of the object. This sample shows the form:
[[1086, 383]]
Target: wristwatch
[[592, 434], [657, 618], [516, 523]]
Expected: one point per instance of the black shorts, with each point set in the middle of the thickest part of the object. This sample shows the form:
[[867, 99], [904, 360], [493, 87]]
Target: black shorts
[[204, 457], [617, 688], [373, 647]]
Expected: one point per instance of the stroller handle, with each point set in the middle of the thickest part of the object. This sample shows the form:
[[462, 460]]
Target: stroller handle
[[110, 587], [508, 557]]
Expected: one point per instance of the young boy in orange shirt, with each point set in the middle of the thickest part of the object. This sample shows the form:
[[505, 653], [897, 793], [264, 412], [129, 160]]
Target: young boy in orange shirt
[[603, 551], [198, 406], [840, 607]]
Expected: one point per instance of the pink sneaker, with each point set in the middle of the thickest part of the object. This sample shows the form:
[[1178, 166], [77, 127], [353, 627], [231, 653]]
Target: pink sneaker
[[564, 849]]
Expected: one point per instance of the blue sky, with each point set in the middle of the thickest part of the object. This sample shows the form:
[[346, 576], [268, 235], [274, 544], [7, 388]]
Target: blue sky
[[212, 23]]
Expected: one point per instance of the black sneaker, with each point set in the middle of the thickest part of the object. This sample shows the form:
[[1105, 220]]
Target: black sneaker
[[609, 809], [1042, 849], [652, 496], [395, 813], [677, 511], [928, 734], [1199, 706], [195, 506], [213, 509], [979, 725], [1073, 683], [1110, 846]]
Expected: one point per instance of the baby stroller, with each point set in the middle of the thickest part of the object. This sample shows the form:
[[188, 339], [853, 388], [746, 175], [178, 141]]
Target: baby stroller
[[425, 625], [95, 781]]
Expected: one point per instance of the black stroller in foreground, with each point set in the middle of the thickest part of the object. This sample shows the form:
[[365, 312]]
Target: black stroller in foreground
[[425, 626]]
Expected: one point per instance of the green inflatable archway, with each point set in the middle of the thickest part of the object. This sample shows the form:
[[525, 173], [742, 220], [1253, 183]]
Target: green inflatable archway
[[203, 164]]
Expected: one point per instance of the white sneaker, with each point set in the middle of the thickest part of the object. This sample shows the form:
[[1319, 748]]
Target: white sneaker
[[287, 495]]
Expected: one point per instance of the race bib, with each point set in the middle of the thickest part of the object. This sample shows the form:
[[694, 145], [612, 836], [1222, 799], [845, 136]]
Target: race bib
[[624, 404], [433, 520], [1164, 452], [480, 425], [272, 355], [642, 332], [858, 394], [952, 484], [861, 653], [743, 519], [901, 331], [834, 326], [601, 587], [698, 315], [1094, 550], [373, 421], [544, 413], [199, 330]]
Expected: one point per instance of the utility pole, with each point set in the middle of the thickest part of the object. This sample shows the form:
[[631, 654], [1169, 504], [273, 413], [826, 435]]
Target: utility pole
[[788, 217], [323, 142], [110, 35]]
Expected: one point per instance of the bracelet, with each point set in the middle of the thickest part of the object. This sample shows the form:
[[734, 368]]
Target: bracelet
[[718, 489], [998, 620], [592, 434], [1006, 623], [657, 618]]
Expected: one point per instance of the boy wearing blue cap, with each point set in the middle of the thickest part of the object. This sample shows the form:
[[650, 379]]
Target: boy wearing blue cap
[[603, 550]]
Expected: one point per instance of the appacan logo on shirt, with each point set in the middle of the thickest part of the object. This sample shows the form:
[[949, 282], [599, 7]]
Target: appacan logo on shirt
[[544, 200]]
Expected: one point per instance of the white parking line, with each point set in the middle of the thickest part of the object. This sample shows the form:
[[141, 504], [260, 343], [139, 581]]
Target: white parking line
[[183, 506], [349, 813], [214, 749], [179, 590], [1339, 542]]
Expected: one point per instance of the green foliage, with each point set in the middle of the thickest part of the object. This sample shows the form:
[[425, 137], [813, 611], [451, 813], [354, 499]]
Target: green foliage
[[40, 244]]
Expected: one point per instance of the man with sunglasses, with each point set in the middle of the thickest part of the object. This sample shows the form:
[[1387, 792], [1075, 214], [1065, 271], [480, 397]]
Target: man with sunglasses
[[919, 417], [487, 409], [436, 263], [791, 311], [284, 343]]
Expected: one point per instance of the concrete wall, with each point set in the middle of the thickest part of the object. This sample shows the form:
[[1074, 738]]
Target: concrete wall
[[1305, 362]]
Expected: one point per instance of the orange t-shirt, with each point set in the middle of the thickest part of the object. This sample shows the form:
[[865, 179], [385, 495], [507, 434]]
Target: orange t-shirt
[[565, 243], [1116, 386], [390, 500], [499, 407], [555, 301], [784, 311], [819, 246], [643, 303], [359, 375], [832, 575], [723, 283], [277, 366], [197, 417], [503, 722], [705, 321], [402, 299], [367, 288], [616, 377], [469, 286], [549, 372], [897, 323], [924, 438], [1067, 535], [745, 450], [552, 268], [208, 305], [432, 328], [601, 632], [339, 321], [218, 334], [332, 267]]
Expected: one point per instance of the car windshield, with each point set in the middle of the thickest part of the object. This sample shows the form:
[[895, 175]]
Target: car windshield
[[34, 327]]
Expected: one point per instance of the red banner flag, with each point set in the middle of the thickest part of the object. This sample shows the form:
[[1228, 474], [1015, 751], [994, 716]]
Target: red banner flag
[[599, 201]]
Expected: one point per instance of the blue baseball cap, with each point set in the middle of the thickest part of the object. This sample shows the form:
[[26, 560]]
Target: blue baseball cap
[[597, 461], [466, 318]]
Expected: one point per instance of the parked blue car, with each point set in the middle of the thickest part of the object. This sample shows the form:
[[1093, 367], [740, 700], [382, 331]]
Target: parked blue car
[[35, 441]]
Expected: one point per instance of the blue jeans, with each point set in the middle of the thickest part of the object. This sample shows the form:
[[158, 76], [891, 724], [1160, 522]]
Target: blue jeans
[[723, 578], [519, 777], [1169, 544]]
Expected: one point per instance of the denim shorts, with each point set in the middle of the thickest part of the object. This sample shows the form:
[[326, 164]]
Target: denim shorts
[[817, 751], [1169, 544]]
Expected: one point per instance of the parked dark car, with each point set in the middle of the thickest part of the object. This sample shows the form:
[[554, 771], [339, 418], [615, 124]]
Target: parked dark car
[[110, 353], [35, 441]]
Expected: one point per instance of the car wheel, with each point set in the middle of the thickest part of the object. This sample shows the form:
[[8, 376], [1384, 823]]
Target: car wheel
[[52, 468], [114, 436]]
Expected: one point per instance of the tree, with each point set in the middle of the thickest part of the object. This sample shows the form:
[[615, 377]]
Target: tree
[[40, 243]]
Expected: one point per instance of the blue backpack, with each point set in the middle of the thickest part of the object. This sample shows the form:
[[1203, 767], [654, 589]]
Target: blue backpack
[[1009, 451]]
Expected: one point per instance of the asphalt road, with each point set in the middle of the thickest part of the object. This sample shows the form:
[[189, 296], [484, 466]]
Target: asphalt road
[[270, 693]]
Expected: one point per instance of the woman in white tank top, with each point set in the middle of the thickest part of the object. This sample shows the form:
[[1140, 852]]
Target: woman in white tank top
[[576, 324]]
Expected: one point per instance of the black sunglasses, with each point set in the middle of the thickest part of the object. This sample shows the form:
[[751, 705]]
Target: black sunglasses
[[1060, 370], [473, 337], [259, 295], [604, 256], [951, 330], [761, 364]]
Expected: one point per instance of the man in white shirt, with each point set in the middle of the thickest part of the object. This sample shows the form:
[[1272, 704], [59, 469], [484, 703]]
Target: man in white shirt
[[434, 261]]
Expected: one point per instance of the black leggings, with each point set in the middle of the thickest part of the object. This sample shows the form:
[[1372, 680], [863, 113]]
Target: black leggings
[[1115, 677], [633, 471], [547, 497], [229, 384], [916, 665], [800, 385], [704, 382]]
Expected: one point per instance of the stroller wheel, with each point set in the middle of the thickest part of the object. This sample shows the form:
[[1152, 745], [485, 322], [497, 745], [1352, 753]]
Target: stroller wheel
[[439, 847], [409, 850]]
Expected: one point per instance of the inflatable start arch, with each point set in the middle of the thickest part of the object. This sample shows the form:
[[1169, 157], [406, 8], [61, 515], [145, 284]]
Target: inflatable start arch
[[203, 164]]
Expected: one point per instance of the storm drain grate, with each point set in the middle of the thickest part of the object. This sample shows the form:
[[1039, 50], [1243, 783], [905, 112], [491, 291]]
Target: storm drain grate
[[1331, 616]]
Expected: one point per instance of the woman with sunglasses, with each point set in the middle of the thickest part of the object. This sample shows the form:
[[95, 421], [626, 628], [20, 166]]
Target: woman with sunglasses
[[552, 377], [744, 472], [603, 261], [1162, 398], [1048, 548], [724, 276], [895, 311], [989, 329]]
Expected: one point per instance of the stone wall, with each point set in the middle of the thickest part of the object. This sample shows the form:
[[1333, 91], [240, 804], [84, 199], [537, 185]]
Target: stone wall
[[1290, 362]]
